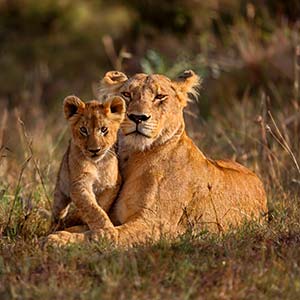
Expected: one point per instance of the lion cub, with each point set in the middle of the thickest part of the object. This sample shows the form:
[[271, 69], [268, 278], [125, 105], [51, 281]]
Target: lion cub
[[89, 175]]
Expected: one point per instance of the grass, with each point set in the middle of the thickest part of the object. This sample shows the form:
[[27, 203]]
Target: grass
[[254, 262]]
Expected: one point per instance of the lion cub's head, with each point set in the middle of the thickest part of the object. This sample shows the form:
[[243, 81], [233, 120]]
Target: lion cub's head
[[154, 105], [94, 125]]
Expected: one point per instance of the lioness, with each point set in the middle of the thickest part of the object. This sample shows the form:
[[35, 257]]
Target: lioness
[[89, 174], [168, 182]]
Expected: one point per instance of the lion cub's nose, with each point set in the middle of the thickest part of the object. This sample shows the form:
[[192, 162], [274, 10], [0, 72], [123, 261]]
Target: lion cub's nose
[[138, 118], [94, 151]]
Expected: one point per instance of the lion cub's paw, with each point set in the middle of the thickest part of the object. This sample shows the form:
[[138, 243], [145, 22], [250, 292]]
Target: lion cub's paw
[[63, 238]]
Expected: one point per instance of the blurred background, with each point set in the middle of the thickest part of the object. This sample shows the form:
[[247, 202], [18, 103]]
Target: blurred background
[[247, 52]]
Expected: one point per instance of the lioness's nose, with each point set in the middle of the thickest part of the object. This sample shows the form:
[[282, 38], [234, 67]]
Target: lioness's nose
[[94, 151], [138, 118]]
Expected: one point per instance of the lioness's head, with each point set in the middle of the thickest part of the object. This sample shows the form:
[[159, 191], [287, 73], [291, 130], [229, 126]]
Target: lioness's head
[[94, 125], [154, 105]]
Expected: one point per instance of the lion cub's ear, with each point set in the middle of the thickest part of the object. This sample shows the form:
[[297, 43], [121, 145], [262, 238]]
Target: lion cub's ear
[[72, 106], [187, 83], [115, 108]]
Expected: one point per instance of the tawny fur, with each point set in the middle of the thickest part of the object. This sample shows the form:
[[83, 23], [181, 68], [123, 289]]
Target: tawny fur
[[89, 174], [169, 184]]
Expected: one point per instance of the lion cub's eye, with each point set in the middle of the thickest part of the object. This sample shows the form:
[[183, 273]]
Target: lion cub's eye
[[160, 97], [83, 131], [104, 130], [126, 95]]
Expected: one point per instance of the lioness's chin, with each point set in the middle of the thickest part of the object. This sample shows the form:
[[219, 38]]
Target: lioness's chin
[[137, 142]]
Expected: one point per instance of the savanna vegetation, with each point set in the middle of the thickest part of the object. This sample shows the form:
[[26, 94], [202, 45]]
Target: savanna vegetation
[[248, 54]]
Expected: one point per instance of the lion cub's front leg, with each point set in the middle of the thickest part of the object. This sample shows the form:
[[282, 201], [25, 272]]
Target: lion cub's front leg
[[84, 199], [106, 198]]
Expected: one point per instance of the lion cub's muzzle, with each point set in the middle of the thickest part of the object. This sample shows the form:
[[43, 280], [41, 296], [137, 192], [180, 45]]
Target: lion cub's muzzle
[[96, 154]]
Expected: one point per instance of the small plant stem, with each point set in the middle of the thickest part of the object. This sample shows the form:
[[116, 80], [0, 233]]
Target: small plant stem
[[24, 165], [282, 142], [29, 145]]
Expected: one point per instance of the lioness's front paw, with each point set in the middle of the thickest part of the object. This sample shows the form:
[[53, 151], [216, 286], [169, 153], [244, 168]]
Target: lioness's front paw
[[109, 234]]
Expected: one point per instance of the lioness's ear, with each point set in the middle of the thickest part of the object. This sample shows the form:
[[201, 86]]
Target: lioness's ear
[[187, 83], [72, 106], [110, 84], [113, 77], [115, 108]]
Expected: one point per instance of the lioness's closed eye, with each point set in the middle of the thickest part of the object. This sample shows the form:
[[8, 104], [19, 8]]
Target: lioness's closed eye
[[89, 174]]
